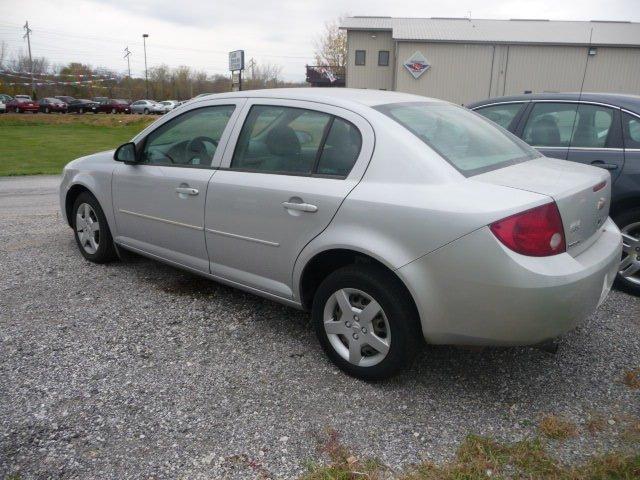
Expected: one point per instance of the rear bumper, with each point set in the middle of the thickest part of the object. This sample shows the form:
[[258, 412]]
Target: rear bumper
[[475, 291]]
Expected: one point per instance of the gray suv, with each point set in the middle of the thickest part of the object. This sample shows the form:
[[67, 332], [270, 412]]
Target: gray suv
[[599, 129]]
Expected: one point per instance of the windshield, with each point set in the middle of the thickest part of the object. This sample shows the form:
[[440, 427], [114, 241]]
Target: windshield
[[466, 140]]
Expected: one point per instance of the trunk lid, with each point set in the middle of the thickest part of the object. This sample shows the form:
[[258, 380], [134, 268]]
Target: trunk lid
[[577, 189]]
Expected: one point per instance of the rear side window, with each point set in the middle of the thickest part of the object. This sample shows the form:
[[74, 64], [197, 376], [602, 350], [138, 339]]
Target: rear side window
[[502, 114], [467, 141], [592, 127], [296, 141], [631, 127], [550, 124]]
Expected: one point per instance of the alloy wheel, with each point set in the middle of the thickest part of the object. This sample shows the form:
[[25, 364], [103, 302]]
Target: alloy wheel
[[630, 263], [357, 327], [88, 228]]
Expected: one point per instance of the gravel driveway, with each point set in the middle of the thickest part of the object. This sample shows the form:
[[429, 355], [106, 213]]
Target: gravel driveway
[[138, 370]]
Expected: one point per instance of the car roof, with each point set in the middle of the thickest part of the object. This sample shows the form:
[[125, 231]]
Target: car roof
[[629, 102], [337, 96]]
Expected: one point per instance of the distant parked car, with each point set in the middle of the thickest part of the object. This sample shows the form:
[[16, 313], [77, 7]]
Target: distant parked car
[[3, 106], [114, 105], [100, 99], [5, 98], [50, 104], [169, 105], [65, 98], [21, 105], [598, 129], [24, 97], [147, 107], [83, 106]]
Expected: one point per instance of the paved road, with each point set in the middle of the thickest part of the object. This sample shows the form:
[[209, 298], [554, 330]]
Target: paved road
[[137, 370]]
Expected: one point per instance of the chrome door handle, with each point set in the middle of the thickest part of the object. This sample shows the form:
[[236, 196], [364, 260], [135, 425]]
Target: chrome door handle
[[301, 207], [187, 190], [606, 166]]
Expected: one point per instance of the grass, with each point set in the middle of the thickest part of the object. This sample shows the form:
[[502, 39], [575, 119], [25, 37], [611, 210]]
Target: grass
[[478, 458], [43, 144], [557, 428], [632, 378]]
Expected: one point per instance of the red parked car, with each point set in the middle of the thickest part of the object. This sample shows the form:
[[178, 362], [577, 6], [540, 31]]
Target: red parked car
[[113, 105], [20, 105], [48, 105]]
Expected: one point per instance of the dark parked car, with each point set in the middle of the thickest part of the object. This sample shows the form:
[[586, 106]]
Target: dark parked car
[[49, 104], [114, 105], [65, 98], [594, 128], [83, 106], [21, 105]]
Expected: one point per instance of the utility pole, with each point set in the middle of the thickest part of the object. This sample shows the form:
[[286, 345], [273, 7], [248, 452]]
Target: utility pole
[[28, 36], [252, 67], [126, 55], [146, 76]]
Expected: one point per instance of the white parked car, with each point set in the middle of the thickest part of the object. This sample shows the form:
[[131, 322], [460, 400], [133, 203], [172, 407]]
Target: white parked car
[[169, 105], [3, 106], [393, 218], [147, 107]]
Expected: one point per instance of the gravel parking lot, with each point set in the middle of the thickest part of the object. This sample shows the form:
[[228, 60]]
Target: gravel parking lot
[[138, 370]]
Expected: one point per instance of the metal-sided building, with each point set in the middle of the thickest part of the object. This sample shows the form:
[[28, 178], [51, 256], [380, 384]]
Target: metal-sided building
[[463, 60]]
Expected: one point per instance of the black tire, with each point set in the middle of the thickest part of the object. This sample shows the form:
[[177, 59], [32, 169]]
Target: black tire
[[622, 220], [106, 251], [388, 291]]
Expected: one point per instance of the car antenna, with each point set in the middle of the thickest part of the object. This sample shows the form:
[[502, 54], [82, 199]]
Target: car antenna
[[584, 76]]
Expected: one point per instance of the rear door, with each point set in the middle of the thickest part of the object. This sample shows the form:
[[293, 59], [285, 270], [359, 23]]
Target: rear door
[[288, 168], [597, 138]]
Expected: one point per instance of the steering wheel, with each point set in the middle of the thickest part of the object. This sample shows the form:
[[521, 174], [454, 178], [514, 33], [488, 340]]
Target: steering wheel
[[197, 144]]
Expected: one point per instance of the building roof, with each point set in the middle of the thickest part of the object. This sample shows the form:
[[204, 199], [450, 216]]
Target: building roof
[[515, 31]]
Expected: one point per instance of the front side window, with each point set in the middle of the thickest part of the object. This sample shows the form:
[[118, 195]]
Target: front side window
[[631, 128], [383, 58], [502, 114], [188, 140], [361, 56], [468, 142]]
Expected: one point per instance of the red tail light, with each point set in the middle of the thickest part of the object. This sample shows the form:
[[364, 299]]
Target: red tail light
[[537, 232]]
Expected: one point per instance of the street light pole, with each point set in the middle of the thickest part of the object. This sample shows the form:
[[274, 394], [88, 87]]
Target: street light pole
[[146, 76]]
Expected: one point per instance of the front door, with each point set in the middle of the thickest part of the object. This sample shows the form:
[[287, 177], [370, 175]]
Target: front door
[[292, 166], [159, 201]]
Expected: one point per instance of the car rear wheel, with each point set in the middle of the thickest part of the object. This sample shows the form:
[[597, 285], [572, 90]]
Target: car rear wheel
[[366, 322], [146, 111], [17, 110], [46, 110], [91, 230], [113, 111], [628, 278]]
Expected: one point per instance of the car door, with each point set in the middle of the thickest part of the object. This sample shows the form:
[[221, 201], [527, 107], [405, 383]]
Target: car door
[[292, 165], [548, 127], [628, 184], [159, 201], [597, 138]]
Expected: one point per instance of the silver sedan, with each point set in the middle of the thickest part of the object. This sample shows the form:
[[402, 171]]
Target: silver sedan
[[393, 218], [147, 107]]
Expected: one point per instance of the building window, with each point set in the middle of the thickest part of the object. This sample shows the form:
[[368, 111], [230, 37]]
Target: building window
[[361, 55], [383, 58]]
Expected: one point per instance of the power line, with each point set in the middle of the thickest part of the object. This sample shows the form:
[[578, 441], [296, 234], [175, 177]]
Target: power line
[[28, 36]]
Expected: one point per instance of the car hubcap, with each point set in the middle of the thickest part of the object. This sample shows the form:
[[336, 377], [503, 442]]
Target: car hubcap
[[630, 263], [357, 327], [88, 228]]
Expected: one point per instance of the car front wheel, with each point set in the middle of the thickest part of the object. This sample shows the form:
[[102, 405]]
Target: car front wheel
[[628, 278], [366, 322], [91, 230]]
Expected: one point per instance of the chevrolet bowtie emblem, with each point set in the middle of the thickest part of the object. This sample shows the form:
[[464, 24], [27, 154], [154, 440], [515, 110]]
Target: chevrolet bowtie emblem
[[601, 203]]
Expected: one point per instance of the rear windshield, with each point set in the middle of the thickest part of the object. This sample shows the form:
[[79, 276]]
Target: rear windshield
[[469, 142]]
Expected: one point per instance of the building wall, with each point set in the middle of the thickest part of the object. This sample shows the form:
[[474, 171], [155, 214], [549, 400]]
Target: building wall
[[463, 73], [459, 72], [370, 75]]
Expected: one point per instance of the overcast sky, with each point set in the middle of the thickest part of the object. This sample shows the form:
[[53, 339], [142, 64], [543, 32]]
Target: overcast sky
[[199, 33]]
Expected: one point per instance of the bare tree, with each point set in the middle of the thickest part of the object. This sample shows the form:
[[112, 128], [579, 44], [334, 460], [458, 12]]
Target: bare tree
[[3, 53], [331, 45]]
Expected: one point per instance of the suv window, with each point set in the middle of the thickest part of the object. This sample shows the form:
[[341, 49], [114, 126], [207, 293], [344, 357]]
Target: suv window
[[340, 150], [502, 114], [550, 124], [277, 139], [631, 127], [188, 140]]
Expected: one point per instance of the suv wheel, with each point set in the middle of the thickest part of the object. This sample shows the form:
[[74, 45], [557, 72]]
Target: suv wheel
[[628, 278], [91, 230], [366, 322]]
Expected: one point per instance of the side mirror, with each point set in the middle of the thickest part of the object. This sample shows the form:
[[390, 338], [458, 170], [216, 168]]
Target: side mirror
[[125, 153]]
